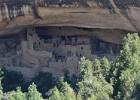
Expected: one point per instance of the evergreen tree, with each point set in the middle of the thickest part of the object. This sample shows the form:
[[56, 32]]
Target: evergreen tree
[[106, 66], [96, 67], [68, 93], [63, 92], [86, 69], [86, 72], [56, 94], [127, 68], [92, 83], [17, 95], [33, 94], [98, 88]]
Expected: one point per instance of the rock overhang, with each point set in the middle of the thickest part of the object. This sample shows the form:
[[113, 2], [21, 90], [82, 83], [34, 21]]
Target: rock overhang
[[107, 14]]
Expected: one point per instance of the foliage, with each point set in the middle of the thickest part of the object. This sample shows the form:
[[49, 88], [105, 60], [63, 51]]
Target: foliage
[[17, 95], [93, 84], [105, 66], [63, 92], [33, 94], [56, 95], [67, 91], [127, 68], [86, 69]]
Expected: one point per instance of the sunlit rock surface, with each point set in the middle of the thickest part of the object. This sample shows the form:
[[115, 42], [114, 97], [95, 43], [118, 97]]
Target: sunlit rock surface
[[106, 14]]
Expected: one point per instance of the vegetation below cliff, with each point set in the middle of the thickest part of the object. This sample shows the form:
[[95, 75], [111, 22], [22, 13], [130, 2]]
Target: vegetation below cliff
[[100, 79]]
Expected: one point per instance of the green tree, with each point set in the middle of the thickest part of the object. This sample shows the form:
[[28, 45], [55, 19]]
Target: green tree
[[63, 92], [96, 67], [98, 88], [86, 69], [105, 66], [93, 84], [33, 94], [85, 83], [127, 68], [68, 92], [17, 95], [56, 94]]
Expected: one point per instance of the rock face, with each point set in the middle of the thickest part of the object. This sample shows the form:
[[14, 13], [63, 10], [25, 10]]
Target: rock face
[[107, 14], [45, 35]]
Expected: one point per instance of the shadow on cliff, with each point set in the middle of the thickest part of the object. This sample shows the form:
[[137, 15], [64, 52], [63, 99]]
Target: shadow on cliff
[[105, 4], [35, 11], [124, 4]]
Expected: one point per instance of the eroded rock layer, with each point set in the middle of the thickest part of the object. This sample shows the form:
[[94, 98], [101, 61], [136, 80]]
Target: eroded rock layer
[[108, 14]]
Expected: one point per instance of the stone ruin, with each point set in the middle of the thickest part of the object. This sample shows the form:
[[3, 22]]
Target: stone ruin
[[50, 52], [52, 35]]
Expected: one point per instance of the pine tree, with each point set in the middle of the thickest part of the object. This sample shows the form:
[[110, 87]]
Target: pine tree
[[17, 95], [127, 68], [105, 66], [96, 66], [68, 93], [86, 69], [63, 92], [33, 94], [92, 83], [56, 94]]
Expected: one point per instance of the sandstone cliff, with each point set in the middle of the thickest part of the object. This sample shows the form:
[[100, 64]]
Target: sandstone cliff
[[105, 14]]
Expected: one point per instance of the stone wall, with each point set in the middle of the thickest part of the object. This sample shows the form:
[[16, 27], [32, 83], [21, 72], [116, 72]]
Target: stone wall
[[51, 52]]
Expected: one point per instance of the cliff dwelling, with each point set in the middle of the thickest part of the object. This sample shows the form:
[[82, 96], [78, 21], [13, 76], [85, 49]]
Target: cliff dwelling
[[52, 35], [43, 49]]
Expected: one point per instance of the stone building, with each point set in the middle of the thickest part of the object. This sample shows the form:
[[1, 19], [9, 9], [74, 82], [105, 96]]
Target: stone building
[[47, 51], [52, 35]]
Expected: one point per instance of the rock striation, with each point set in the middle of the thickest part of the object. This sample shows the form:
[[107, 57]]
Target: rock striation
[[106, 14]]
